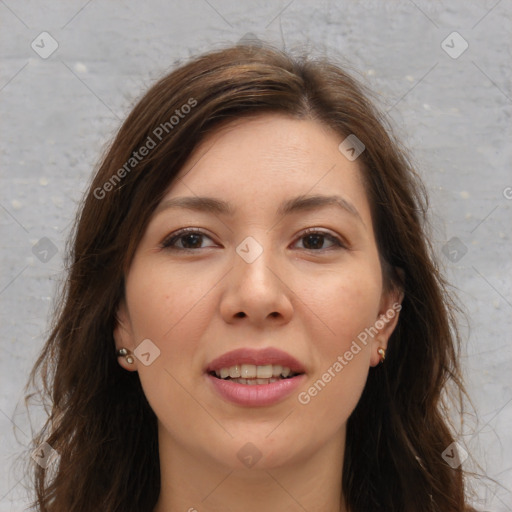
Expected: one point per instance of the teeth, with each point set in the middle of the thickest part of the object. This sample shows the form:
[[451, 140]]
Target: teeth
[[264, 372], [276, 370], [252, 382], [250, 371], [235, 372]]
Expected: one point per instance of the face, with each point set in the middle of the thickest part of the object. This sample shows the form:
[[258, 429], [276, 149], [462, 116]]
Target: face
[[262, 287]]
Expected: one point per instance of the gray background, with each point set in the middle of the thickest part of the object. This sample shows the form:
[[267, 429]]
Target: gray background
[[59, 112]]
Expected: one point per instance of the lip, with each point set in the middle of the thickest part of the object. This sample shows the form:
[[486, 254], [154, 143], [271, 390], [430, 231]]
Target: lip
[[257, 357], [257, 395]]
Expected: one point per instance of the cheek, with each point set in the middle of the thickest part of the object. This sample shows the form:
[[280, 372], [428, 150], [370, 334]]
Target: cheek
[[348, 303], [167, 304], [173, 307], [348, 306], [169, 307]]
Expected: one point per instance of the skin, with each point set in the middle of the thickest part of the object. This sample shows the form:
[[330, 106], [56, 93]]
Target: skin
[[309, 298]]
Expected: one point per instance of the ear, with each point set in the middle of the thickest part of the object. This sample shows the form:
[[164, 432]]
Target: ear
[[123, 335], [387, 319]]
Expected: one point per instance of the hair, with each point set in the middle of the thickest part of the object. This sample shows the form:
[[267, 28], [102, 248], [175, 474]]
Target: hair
[[100, 423]]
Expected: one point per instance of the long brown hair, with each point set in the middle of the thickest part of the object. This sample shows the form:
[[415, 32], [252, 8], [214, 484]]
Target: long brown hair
[[101, 424]]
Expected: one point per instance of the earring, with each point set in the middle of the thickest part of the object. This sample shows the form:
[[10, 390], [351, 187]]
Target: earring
[[382, 352], [122, 352]]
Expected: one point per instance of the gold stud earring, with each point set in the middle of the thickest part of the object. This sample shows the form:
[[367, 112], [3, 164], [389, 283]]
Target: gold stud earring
[[382, 352], [122, 352]]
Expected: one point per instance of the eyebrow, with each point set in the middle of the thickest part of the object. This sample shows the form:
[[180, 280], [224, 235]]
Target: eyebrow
[[296, 204]]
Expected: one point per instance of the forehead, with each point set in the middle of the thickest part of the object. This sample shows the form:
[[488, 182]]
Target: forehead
[[264, 159]]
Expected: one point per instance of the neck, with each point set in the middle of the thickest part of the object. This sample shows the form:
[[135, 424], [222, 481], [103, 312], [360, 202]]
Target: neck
[[196, 483]]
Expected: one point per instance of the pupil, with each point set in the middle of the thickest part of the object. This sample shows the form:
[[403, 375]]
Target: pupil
[[188, 237], [315, 237]]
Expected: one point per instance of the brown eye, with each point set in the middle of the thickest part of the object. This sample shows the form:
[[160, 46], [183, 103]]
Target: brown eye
[[314, 240], [190, 239]]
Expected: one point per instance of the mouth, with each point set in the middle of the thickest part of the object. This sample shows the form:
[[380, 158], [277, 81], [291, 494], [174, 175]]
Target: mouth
[[255, 377], [251, 374]]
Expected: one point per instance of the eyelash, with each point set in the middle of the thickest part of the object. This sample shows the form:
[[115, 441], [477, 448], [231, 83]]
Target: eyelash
[[173, 237]]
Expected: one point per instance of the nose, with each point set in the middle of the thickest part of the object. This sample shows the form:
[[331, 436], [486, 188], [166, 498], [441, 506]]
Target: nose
[[256, 289]]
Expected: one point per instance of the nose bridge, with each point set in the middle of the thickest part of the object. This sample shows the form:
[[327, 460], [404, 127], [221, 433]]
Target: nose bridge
[[255, 288], [257, 259]]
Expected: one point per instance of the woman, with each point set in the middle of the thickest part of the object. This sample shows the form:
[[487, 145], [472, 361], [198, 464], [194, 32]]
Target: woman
[[211, 351]]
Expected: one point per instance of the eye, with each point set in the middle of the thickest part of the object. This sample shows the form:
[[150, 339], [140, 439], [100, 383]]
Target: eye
[[315, 238], [190, 238]]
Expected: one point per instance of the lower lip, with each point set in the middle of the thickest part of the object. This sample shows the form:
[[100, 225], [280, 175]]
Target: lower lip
[[257, 395]]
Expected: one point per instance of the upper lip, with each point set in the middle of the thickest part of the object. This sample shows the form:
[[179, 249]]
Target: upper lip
[[258, 357]]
